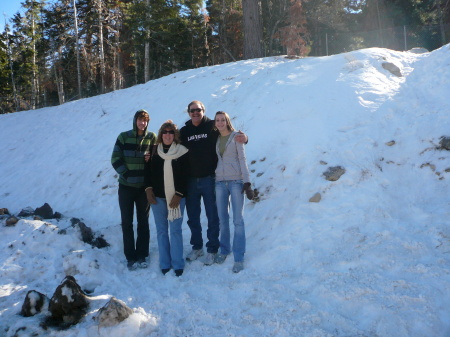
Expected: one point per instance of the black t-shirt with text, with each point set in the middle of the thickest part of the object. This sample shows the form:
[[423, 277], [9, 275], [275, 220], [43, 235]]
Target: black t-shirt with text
[[201, 142]]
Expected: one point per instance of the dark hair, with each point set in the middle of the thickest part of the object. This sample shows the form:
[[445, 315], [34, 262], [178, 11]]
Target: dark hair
[[142, 114], [198, 103], [169, 125], [227, 119]]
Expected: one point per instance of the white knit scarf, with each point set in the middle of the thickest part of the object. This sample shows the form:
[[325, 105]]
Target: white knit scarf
[[175, 151]]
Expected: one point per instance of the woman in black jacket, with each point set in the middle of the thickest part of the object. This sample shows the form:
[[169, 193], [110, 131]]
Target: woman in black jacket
[[167, 176]]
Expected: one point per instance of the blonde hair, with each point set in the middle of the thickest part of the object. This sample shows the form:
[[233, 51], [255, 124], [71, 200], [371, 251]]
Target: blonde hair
[[227, 119]]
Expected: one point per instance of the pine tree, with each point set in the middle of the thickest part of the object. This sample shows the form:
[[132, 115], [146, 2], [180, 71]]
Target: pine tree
[[27, 35], [274, 14], [329, 24], [58, 30], [7, 85], [226, 34]]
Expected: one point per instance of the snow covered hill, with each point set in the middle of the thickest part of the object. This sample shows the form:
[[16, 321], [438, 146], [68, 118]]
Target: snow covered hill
[[372, 258]]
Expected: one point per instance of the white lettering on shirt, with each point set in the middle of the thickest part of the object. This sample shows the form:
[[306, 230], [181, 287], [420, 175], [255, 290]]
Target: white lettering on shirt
[[197, 137]]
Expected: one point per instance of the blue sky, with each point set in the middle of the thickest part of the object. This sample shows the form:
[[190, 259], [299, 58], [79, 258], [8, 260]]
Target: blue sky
[[8, 9]]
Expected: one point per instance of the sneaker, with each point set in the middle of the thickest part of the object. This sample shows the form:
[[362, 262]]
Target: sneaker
[[209, 259], [238, 266], [178, 272], [194, 254], [220, 258], [142, 263], [132, 265], [165, 271]]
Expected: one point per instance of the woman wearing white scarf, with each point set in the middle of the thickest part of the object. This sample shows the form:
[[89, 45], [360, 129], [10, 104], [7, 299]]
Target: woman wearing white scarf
[[167, 175]]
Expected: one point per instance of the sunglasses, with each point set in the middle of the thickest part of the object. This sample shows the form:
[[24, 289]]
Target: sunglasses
[[196, 110], [164, 132]]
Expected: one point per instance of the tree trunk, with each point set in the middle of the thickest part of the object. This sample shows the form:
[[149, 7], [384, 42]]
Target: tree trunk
[[13, 82], [102, 52], [136, 65], [119, 69], [147, 61], [114, 71], [253, 32], [272, 33], [34, 79], [91, 80], [59, 80], [223, 31], [147, 49], [441, 21], [77, 48]]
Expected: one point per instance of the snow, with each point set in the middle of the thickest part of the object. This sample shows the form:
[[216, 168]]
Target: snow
[[67, 292], [370, 259], [34, 298]]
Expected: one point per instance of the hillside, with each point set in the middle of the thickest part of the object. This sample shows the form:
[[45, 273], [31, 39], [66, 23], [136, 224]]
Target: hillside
[[370, 259]]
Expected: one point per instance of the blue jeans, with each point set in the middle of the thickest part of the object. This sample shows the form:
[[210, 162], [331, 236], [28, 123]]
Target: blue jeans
[[170, 250], [224, 191], [198, 188], [129, 197]]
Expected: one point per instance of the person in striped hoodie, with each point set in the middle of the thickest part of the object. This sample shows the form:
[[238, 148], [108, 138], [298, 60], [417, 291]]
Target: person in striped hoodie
[[128, 159]]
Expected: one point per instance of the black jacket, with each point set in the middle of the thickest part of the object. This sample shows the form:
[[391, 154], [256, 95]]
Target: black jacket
[[201, 142], [155, 175]]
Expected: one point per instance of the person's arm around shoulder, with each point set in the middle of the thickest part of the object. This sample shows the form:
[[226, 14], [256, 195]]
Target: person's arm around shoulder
[[241, 137], [153, 138], [151, 147], [183, 135]]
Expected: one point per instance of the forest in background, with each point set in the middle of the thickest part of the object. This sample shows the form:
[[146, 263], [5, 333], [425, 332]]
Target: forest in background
[[55, 51]]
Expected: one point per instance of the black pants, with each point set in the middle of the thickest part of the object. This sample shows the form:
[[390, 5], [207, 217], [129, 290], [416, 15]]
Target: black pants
[[128, 198]]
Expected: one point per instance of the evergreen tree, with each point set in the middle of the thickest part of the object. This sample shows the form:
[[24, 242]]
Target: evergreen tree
[[194, 19], [225, 22], [6, 89], [175, 31], [329, 24], [422, 20], [27, 34], [274, 14], [59, 35]]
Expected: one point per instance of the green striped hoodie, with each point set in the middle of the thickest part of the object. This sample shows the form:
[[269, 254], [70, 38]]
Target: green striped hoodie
[[128, 155]]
